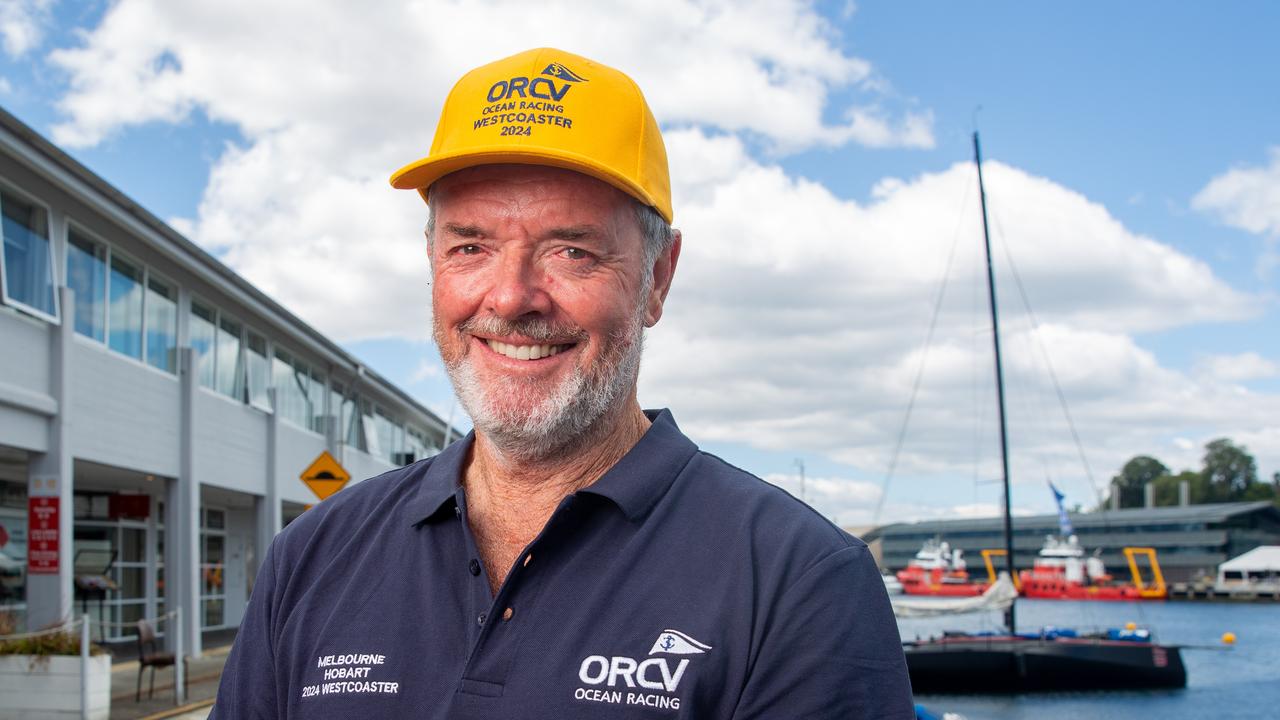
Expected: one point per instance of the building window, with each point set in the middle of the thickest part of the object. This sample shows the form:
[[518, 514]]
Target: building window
[[416, 446], [162, 324], [294, 387], [388, 436], [87, 276], [342, 405], [27, 257], [230, 363], [213, 591], [259, 370], [369, 429], [316, 393], [119, 302], [202, 332], [124, 310]]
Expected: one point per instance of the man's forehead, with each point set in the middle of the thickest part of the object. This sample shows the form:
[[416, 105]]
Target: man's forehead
[[531, 180]]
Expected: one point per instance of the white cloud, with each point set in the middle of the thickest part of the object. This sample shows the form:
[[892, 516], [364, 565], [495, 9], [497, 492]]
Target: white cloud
[[1248, 198], [22, 25], [330, 107], [427, 369], [844, 500], [797, 316], [1238, 368], [766, 67]]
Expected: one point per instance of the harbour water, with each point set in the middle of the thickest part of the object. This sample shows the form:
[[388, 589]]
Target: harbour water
[[1240, 681]]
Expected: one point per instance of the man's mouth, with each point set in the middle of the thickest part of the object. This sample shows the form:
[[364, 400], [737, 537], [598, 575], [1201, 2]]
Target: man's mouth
[[524, 352]]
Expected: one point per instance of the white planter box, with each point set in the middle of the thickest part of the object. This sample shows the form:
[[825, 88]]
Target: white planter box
[[50, 687]]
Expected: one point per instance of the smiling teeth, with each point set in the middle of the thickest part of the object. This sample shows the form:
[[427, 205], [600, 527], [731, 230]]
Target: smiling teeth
[[524, 352]]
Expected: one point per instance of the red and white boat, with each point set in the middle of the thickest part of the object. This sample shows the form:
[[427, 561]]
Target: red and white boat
[[1062, 572], [939, 570]]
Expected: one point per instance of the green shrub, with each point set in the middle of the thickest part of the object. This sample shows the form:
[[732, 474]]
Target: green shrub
[[56, 643]]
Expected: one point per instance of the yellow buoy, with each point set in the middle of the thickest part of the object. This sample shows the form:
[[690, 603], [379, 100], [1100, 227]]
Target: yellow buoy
[[1229, 638], [1131, 625]]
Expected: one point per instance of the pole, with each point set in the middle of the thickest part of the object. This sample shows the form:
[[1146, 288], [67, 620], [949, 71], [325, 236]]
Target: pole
[[995, 340], [179, 660], [84, 666]]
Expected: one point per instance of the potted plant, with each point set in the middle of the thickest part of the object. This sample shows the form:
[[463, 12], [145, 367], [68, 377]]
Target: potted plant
[[40, 674]]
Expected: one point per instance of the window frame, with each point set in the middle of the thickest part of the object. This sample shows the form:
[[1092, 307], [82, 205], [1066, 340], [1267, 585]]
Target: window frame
[[142, 308], [93, 237], [147, 275], [53, 263]]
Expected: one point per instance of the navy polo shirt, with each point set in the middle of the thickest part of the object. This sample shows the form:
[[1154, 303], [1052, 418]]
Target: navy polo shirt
[[676, 586]]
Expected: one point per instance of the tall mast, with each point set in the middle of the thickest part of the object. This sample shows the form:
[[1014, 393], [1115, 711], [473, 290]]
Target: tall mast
[[995, 339]]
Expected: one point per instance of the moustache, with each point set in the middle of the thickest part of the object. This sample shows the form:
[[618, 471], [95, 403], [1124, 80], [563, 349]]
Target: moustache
[[536, 329]]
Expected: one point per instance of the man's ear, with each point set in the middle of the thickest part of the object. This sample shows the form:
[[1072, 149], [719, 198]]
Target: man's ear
[[664, 268]]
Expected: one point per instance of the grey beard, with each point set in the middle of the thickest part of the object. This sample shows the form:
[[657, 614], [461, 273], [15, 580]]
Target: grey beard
[[570, 416]]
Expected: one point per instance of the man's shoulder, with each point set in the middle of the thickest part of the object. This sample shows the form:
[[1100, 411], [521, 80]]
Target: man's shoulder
[[741, 504]]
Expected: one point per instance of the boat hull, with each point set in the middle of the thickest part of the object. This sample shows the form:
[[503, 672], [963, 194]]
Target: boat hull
[[998, 665], [945, 589]]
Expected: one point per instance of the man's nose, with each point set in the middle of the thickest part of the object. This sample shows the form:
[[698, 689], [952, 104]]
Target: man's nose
[[519, 287]]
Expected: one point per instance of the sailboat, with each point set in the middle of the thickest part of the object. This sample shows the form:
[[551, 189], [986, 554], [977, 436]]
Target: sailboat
[[1053, 658]]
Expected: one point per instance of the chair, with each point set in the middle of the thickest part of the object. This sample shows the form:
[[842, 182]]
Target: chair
[[150, 655]]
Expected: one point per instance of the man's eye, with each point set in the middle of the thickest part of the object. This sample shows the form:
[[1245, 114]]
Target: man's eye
[[574, 253], [467, 250]]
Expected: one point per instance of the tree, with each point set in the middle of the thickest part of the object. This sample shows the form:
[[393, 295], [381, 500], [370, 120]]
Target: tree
[[1168, 488], [1134, 477], [1229, 470]]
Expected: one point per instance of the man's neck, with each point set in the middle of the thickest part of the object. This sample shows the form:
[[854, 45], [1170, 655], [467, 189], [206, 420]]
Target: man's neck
[[510, 499]]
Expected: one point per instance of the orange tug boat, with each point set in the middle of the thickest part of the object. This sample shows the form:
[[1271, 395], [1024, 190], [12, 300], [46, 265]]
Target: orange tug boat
[[1062, 572], [939, 570]]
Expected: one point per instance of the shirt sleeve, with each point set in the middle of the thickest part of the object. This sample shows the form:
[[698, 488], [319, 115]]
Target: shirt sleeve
[[248, 689], [831, 649]]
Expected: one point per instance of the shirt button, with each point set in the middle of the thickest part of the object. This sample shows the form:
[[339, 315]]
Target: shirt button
[[457, 511], [474, 567], [480, 620], [506, 614], [527, 559]]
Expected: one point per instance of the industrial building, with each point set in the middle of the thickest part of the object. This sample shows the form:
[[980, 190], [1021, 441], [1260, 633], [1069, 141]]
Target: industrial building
[[1190, 540], [157, 411]]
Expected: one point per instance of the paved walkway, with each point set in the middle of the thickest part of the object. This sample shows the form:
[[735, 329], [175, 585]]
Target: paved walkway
[[203, 675]]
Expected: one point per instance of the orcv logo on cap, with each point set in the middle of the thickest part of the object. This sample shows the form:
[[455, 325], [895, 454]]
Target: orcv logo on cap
[[521, 110]]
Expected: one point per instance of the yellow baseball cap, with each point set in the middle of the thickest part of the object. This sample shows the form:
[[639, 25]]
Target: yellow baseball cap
[[549, 107]]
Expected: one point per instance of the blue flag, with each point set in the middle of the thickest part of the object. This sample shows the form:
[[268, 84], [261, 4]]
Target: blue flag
[[1064, 522]]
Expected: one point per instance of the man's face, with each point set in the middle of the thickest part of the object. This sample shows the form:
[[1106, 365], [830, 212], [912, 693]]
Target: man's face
[[539, 301]]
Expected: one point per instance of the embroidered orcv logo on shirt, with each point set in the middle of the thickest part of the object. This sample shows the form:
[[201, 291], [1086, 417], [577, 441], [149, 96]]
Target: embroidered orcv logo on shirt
[[653, 682], [674, 642]]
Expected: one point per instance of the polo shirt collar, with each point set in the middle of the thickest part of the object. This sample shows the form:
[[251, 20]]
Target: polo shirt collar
[[635, 483], [441, 486]]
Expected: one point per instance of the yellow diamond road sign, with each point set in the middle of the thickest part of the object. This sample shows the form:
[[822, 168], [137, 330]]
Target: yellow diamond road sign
[[325, 476]]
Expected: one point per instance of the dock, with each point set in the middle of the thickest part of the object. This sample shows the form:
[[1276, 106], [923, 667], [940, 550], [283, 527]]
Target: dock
[[1195, 591]]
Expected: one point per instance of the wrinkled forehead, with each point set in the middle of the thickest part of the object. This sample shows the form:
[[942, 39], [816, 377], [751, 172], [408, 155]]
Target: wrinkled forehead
[[534, 181], [553, 194]]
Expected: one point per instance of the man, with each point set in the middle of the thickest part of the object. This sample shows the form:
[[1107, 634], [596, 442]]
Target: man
[[575, 557]]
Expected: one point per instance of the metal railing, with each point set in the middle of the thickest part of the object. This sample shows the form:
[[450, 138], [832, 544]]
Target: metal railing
[[83, 625]]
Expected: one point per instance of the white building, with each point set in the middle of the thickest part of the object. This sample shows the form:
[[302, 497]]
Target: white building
[[138, 377]]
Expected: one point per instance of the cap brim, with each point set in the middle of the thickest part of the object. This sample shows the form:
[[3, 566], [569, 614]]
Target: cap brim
[[421, 174]]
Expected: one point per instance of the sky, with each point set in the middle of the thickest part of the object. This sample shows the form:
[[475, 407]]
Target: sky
[[823, 177]]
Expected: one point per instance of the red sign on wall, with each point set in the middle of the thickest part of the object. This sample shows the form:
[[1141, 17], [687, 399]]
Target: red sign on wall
[[42, 535]]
